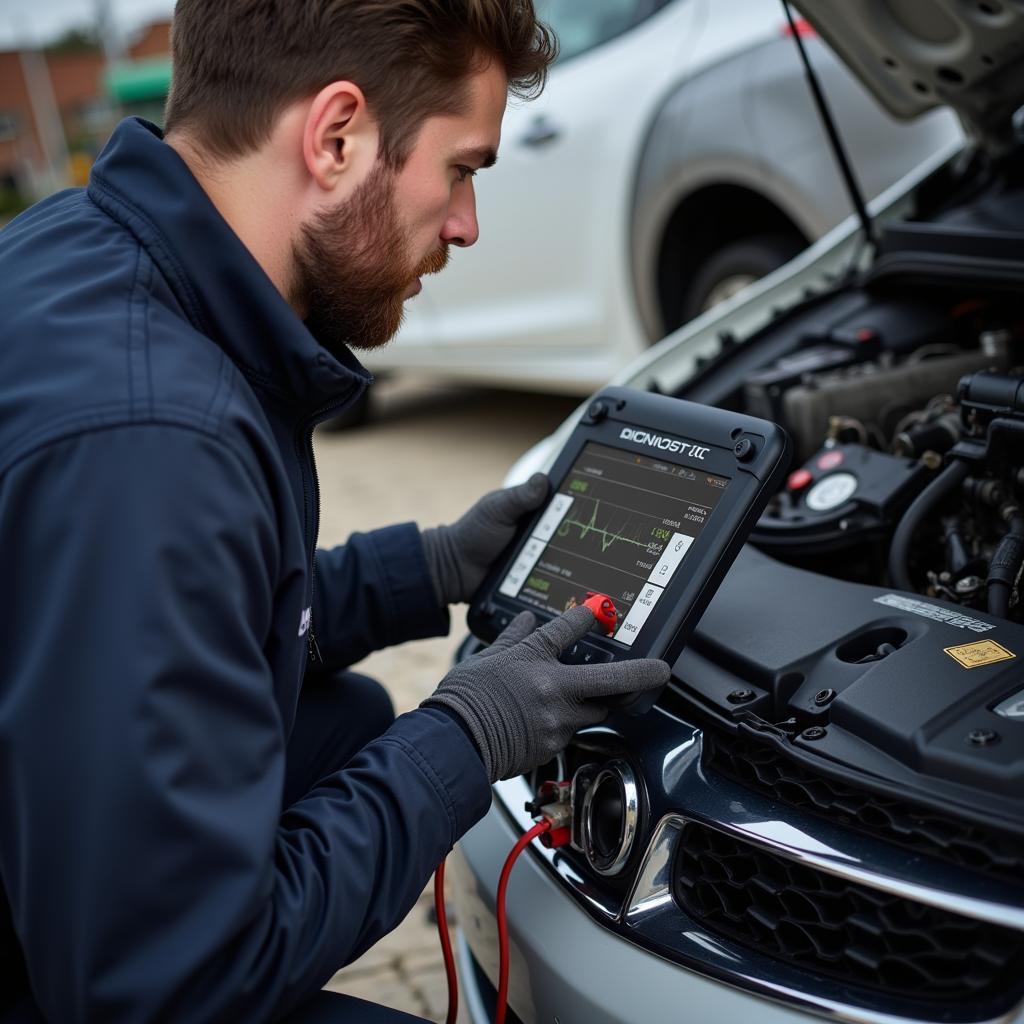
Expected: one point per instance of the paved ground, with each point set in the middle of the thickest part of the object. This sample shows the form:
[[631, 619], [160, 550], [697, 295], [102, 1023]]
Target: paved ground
[[427, 454]]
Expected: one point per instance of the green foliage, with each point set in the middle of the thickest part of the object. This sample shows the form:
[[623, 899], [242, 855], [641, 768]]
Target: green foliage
[[75, 40]]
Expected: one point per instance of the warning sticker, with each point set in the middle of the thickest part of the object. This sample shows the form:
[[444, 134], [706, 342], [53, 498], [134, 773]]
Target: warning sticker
[[936, 612], [981, 652]]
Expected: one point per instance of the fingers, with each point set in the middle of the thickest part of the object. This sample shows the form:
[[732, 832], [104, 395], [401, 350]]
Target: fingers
[[529, 495], [515, 632], [511, 504], [590, 714], [634, 676], [564, 631]]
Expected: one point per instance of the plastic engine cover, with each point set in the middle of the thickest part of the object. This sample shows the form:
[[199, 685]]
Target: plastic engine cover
[[911, 691]]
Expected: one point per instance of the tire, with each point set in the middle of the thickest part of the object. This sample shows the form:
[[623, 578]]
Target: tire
[[354, 415], [735, 266]]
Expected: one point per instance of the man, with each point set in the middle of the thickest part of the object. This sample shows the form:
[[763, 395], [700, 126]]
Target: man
[[202, 814]]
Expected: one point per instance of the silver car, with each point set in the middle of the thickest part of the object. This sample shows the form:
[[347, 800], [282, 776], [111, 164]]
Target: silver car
[[824, 813]]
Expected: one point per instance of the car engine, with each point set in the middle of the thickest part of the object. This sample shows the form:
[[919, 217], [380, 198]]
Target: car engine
[[828, 800]]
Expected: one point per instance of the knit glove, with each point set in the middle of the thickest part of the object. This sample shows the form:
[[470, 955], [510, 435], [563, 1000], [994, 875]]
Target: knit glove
[[460, 555], [522, 705]]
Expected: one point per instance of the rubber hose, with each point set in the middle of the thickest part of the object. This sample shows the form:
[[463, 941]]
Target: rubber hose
[[957, 554], [899, 553], [998, 599], [1005, 567]]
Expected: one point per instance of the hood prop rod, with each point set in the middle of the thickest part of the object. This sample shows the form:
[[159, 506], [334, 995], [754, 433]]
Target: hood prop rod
[[838, 149]]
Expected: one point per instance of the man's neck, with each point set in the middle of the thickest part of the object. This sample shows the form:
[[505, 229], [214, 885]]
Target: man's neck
[[244, 193]]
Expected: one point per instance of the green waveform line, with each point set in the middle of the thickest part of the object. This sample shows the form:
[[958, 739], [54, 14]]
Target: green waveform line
[[608, 538]]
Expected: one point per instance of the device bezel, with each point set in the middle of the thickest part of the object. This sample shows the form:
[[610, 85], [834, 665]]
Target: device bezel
[[752, 480]]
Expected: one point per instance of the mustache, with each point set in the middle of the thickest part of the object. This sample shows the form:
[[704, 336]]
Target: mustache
[[435, 262]]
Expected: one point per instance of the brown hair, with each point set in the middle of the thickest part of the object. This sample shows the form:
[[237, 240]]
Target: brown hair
[[238, 63]]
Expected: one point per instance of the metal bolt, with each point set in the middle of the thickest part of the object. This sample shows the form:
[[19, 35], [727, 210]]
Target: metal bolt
[[982, 737], [815, 732], [822, 697], [967, 585], [740, 696]]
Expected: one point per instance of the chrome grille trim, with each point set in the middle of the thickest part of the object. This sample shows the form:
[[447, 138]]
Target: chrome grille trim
[[651, 918]]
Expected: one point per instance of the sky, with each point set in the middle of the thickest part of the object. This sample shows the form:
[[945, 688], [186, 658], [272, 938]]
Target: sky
[[35, 21]]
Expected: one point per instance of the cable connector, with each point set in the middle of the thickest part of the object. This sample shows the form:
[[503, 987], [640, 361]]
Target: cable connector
[[550, 792], [558, 818], [553, 805]]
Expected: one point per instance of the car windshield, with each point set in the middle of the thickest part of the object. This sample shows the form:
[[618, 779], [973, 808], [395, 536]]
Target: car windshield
[[580, 25]]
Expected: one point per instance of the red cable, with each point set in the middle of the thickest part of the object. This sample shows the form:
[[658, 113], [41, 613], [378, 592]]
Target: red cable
[[503, 953], [446, 945]]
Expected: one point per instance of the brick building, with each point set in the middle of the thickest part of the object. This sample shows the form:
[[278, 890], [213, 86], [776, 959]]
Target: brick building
[[58, 105], [153, 41]]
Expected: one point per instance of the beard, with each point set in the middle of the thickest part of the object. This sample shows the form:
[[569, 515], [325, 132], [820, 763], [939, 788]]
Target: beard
[[353, 267]]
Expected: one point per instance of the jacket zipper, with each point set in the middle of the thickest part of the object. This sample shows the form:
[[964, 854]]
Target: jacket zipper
[[306, 453]]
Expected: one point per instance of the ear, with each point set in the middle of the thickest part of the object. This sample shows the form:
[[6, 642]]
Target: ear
[[338, 134]]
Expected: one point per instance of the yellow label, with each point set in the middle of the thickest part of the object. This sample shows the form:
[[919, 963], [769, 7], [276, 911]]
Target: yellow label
[[981, 652]]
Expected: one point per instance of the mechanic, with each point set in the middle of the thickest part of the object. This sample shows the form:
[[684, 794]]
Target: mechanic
[[203, 813]]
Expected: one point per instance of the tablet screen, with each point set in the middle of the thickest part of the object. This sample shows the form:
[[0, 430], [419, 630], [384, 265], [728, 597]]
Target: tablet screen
[[619, 524]]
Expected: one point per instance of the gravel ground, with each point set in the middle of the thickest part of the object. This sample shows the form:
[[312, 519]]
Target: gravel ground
[[427, 454]]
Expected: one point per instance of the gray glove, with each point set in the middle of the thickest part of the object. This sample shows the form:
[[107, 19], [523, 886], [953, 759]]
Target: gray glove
[[522, 705], [460, 555]]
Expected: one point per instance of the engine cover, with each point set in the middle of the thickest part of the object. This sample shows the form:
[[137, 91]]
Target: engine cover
[[865, 683]]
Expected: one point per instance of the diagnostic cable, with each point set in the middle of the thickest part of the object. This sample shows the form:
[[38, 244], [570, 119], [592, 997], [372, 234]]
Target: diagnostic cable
[[553, 831], [441, 913]]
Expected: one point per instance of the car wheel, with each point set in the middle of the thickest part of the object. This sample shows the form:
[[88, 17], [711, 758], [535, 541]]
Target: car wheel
[[733, 267]]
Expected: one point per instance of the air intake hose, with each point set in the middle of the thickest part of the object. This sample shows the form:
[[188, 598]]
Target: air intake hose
[[899, 554], [1005, 567]]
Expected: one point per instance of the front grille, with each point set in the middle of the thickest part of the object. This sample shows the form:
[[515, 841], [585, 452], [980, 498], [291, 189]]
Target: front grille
[[838, 928], [764, 769]]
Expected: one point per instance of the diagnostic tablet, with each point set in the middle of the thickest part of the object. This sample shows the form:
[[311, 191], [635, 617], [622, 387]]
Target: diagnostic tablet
[[652, 499]]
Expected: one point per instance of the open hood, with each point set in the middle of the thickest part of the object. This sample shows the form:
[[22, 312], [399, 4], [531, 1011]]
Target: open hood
[[918, 54]]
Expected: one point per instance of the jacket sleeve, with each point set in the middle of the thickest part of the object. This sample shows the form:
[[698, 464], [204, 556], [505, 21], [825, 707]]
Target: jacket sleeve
[[150, 869], [373, 592]]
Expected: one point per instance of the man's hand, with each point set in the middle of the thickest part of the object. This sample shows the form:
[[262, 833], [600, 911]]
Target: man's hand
[[460, 555], [522, 705]]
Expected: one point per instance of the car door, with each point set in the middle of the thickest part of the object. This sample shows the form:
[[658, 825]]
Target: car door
[[541, 297]]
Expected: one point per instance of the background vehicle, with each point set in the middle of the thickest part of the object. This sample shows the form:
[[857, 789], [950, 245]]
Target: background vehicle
[[829, 798], [674, 157]]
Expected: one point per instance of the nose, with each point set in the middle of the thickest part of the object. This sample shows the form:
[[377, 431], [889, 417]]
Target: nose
[[461, 227]]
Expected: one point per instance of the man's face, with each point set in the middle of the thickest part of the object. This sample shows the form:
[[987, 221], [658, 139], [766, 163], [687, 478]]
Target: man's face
[[357, 262]]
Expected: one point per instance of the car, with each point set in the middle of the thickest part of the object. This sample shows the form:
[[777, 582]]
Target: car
[[674, 157], [823, 814]]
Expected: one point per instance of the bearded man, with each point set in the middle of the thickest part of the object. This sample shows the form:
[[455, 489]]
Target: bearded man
[[203, 813]]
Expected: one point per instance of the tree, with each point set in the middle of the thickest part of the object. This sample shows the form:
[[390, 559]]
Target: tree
[[75, 40]]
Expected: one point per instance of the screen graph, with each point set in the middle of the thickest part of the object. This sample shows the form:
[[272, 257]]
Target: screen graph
[[620, 524]]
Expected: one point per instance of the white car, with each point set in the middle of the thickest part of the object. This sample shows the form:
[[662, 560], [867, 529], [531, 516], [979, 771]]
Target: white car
[[674, 157], [822, 817]]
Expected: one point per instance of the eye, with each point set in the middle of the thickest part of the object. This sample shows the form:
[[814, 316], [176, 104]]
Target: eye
[[465, 172]]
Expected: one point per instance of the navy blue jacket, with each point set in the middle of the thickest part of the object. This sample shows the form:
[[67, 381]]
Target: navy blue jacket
[[158, 520]]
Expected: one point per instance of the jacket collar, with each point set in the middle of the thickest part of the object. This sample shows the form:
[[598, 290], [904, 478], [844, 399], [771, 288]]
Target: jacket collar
[[141, 182]]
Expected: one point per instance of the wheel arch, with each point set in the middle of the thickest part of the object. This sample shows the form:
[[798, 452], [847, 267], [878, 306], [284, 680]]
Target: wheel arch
[[700, 149], [703, 222]]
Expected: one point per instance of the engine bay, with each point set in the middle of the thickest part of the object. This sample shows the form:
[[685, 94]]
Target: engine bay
[[874, 625]]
